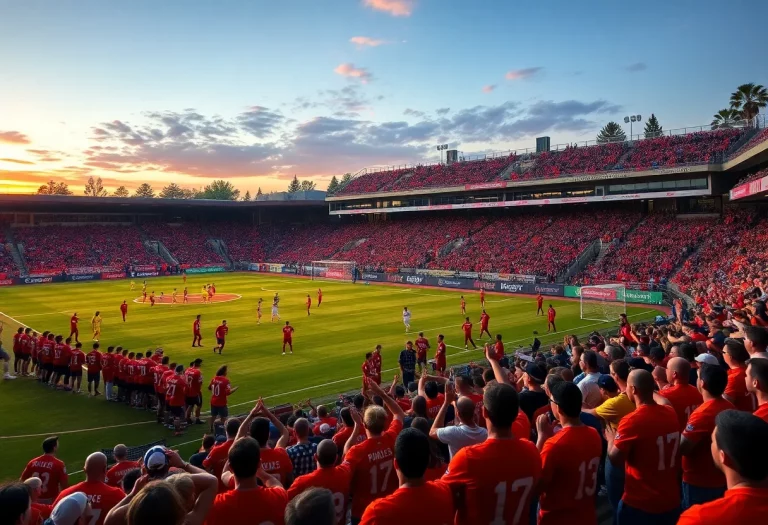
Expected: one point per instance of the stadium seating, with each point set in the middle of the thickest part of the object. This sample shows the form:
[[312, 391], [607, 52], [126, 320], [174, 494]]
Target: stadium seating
[[755, 176], [456, 174], [665, 152], [55, 248], [7, 267], [188, 243], [759, 137], [372, 182], [242, 240], [588, 159]]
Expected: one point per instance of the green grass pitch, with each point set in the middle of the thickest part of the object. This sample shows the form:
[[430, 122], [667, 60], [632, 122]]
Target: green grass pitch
[[329, 347]]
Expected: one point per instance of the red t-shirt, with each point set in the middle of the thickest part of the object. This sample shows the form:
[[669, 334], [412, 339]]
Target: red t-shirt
[[372, 466], [277, 462], [287, 333], [440, 355], [521, 428], [539, 301], [17, 342], [739, 505], [422, 345], [145, 371], [737, 390], [497, 478], [249, 507], [76, 360], [570, 460], [551, 314], [484, 318], [164, 379], [157, 377], [762, 412], [93, 361], [431, 503], [482, 294], [467, 327], [175, 390], [47, 351], [698, 467], [101, 496], [117, 364], [73, 323], [119, 470], [107, 366], [309, 301], [335, 479], [196, 327], [51, 471], [61, 355], [498, 350], [341, 437], [221, 332], [216, 460], [130, 369], [376, 365], [194, 381], [124, 308], [220, 389], [649, 438], [433, 405], [684, 399]]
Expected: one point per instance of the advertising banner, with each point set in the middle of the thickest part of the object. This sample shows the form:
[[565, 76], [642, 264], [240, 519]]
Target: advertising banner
[[45, 273], [371, 276], [643, 296], [83, 277], [631, 296], [154, 273], [112, 275], [484, 285], [511, 287], [517, 278], [334, 273], [489, 276], [544, 289], [436, 273], [144, 267], [469, 275], [572, 291], [206, 269], [604, 294], [81, 270], [39, 280], [6, 282], [275, 268], [288, 270], [453, 283]]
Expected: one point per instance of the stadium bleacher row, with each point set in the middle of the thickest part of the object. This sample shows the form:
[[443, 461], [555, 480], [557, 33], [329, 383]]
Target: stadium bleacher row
[[660, 152]]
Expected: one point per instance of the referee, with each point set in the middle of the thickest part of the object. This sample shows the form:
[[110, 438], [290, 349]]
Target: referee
[[408, 364]]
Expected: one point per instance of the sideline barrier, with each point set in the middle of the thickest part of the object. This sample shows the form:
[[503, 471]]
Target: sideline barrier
[[630, 296]]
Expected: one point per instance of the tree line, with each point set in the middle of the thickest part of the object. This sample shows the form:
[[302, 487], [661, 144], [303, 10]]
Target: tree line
[[744, 104], [220, 190]]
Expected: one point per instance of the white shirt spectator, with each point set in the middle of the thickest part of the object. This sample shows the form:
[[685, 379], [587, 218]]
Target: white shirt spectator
[[461, 436], [590, 392]]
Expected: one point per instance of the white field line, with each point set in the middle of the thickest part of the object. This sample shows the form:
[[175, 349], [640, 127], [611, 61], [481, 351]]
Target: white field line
[[282, 394]]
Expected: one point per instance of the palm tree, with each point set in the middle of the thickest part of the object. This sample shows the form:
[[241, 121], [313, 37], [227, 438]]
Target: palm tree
[[725, 118], [748, 99]]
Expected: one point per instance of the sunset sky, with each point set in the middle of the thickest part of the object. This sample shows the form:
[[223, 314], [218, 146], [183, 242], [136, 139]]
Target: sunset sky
[[256, 91]]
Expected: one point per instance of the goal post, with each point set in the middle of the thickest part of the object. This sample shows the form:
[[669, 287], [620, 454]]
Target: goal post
[[603, 302], [334, 270]]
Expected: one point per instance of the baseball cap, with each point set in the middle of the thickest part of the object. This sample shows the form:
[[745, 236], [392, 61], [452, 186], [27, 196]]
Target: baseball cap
[[606, 382], [708, 359], [155, 458], [535, 372], [69, 510], [325, 428]]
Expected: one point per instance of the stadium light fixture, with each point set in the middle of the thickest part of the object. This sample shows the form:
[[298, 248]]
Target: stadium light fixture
[[441, 148], [631, 120]]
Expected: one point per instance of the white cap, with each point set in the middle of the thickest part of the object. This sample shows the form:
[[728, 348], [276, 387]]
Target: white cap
[[708, 359], [69, 509], [325, 428]]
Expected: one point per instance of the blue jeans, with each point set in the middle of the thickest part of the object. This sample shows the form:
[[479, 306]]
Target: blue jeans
[[614, 482], [631, 516], [693, 495]]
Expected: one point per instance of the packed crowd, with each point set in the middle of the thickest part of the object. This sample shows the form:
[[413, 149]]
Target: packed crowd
[[373, 181], [760, 136], [188, 242], [665, 152], [754, 176], [7, 266], [456, 174], [243, 241], [57, 248], [589, 159], [668, 421]]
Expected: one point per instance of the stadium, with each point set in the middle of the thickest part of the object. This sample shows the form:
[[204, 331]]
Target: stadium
[[534, 329]]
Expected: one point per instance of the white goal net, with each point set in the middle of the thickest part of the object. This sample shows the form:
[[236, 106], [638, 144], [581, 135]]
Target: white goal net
[[604, 302], [334, 270]]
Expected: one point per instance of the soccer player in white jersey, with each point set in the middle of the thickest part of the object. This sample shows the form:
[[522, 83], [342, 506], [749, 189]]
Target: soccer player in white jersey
[[407, 319]]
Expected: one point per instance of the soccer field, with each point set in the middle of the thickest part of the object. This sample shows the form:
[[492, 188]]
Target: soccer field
[[329, 347]]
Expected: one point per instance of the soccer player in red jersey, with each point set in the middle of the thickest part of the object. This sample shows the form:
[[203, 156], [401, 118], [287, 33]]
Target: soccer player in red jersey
[[570, 460], [422, 345], [328, 475], [539, 304], [76, 362], [416, 501], [440, 355], [147, 379], [250, 502], [367, 368], [61, 355], [288, 336], [498, 348], [158, 371], [93, 363], [144, 296], [221, 333], [220, 388], [482, 297], [17, 359], [684, 398], [197, 336], [50, 469], [163, 415], [757, 385], [737, 442], [372, 461], [47, 357], [186, 292], [319, 297], [121, 467], [73, 327], [194, 390], [108, 371], [648, 443], [213, 289], [152, 298], [736, 357], [702, 481], [175, 394], [101, 496], [124, 309], [484, 319], [309, 303], [376, 364], [467, 328], [551, 314], [496, 478], [119, 365], [463, 305]]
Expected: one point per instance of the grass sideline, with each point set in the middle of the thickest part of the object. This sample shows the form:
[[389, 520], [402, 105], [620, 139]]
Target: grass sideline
[[329, 347]]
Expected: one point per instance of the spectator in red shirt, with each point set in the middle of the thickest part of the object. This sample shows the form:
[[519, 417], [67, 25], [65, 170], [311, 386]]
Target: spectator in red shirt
[[50, 469], [117, 472], [680, 395], [757, 384], [101, 496], [215, 461], [736, 357]]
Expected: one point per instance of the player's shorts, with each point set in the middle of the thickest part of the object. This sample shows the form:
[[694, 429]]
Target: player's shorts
[[196, 401], [25, 357], [222, 412], [3, 354], [220, 341], [197, 334], [76, 373], [289, 340], [421, 361], [93, 377], [61, 370], [160, 399], [48, 367], [176, 411], [440, 367]]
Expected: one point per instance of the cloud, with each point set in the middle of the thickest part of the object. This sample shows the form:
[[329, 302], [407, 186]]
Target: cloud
[[259, 121], [637, 67], [568, 115], [365, 41], [13, 137], [393, 7], [522, 74], [349, 70], [443, 111], [44, 155], [489, 88], [17, 161], [414, 113]]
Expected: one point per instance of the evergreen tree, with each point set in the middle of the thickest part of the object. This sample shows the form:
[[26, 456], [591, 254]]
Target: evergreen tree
[[172, 191], [144, 191], [294, 186], [259, 193], [653, 128], [333, 186], [247, 196], [95, 188], [220, 190], [121, 191], [54, 188], [612, 132], [346, 179], [307, 185]]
